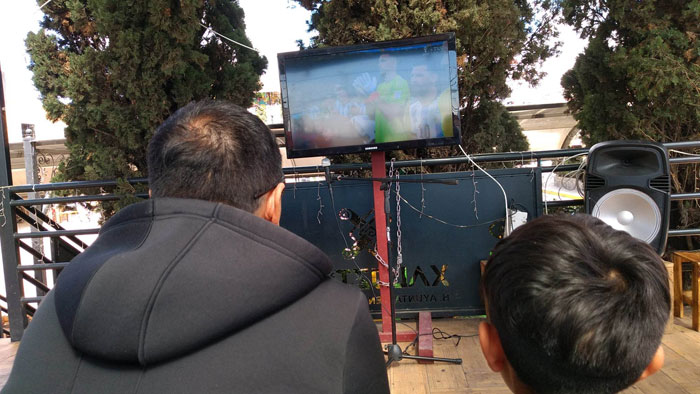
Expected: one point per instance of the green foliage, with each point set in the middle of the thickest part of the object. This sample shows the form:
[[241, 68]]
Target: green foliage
[[639, 77], [494, 127], [496, 39], [114, 70]]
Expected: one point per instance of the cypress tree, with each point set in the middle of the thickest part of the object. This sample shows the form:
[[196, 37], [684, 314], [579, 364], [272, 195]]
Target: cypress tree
[[114, 70]]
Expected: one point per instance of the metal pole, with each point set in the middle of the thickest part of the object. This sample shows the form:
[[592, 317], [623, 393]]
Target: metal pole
[[379, 171], [32, 173], [684, 232]]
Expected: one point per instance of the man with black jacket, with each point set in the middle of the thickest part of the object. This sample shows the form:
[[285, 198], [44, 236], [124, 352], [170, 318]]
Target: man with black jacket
[[198, 290]]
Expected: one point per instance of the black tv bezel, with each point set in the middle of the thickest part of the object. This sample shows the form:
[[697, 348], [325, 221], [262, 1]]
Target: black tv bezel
[[387, 146]]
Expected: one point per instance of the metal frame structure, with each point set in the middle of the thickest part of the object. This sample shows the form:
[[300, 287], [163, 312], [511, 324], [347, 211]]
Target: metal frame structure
[[13, 207]]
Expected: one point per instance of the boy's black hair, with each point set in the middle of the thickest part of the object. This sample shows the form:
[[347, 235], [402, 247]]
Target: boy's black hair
[[579, 306], [215, 151]]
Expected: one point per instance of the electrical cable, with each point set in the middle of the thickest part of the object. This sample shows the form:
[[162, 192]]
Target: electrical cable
[[226, 38], [553, 170], [508, 226], [335, 213], [438, 334], [684, 153], [575, 176], [444, 222], [444, 335], [296, 178]]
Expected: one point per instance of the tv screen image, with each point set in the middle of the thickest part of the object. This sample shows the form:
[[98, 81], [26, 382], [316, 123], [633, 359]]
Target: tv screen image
[[381, 96]]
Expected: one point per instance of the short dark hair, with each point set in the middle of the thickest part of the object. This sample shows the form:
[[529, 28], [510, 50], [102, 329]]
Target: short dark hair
[[579, 306], [216, 151]]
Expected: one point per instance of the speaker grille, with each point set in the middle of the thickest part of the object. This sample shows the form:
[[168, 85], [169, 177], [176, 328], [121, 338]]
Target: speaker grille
[[631, 211], [594, 182], [662, 183]]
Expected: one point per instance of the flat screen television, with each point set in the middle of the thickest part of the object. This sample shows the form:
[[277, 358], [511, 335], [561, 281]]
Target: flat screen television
[[371, 97]]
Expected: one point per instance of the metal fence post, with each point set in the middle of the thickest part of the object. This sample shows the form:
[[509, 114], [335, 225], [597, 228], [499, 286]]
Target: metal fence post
[[32, 172], [10, 260]]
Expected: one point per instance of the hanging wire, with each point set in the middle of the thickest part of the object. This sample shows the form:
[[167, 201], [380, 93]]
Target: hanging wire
[[507, 227], [226, 38], [476, 191], [335, 214], [553, 170], [576, 177], [296, 179], [2, 206], [684, 153], [445, 222], [320, 204], [422, 190]]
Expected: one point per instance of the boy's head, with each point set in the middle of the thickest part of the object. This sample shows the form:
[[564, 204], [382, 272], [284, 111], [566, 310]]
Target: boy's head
[[574, 306]]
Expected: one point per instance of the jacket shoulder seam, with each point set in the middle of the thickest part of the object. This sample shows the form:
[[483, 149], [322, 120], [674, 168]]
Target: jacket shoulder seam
[[87, 285], [141, 352]]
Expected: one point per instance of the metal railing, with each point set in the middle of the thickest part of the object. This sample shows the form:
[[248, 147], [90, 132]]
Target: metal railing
[[14, 208]]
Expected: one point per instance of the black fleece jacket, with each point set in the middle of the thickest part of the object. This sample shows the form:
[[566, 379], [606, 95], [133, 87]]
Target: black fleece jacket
[[189, 296]]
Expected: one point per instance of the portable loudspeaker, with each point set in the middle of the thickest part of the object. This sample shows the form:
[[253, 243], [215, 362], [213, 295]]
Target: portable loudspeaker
[[628, 186]]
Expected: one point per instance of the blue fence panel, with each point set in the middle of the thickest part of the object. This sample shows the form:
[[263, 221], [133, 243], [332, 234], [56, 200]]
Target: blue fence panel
[[442, 247]]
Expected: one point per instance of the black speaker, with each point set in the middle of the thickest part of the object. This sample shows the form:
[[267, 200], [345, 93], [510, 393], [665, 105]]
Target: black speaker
[[628, 186]]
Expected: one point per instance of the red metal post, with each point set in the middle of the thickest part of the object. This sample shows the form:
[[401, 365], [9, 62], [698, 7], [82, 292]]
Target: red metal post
[[379, 171]]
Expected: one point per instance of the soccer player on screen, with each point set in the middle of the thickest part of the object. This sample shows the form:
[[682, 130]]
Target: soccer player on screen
[[389, 99], [424, 110]]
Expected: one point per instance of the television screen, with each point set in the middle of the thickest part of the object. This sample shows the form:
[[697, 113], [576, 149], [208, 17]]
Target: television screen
[[380, 96]]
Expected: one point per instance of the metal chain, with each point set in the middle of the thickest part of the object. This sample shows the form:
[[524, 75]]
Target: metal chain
[[381, 261], [382, 283], [399, 252], [379, 258]]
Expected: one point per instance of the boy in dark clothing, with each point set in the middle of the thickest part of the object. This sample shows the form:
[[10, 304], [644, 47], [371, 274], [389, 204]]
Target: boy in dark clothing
[[573, 306]]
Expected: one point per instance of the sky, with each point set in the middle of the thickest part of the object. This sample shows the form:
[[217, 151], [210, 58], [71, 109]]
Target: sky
[[549, 89], [275, 32], [22, 104], [273, 26]]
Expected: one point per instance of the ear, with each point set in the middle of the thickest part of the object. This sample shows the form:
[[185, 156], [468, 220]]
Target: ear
[[271, 206], [491, 346], [655, 364]]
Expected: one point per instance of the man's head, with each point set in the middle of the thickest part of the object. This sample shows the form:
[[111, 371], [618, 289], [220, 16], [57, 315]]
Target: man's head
[[574, 306], [387, 63], [217, 151], [341, 93], [423, 80]]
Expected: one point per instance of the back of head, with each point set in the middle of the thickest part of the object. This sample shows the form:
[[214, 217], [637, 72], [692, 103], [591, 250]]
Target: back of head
[[579, 307], [214, 151]]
